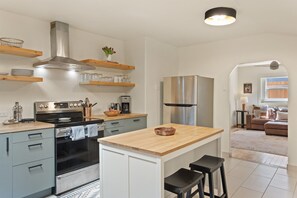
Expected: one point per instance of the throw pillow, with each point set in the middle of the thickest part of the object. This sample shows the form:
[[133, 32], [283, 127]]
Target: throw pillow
[[271, 113], [263, 114], [283, 109], [254, 107], [264, 107], [281, 115], [257, 113]]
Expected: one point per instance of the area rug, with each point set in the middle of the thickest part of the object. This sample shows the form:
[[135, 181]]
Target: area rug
[[259, 141], [91, 190]]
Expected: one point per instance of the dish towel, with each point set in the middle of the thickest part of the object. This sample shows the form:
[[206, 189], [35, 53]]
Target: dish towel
[[78, 133], [92, 130]]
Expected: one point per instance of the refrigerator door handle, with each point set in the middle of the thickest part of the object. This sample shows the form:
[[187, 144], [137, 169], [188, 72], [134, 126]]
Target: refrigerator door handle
[[179, 105]]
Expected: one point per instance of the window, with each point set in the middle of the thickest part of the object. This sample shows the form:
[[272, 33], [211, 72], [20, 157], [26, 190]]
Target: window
[[274, 89]]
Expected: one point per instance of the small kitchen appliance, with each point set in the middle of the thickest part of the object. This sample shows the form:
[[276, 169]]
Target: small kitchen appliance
[[77, 159], [125, 102]]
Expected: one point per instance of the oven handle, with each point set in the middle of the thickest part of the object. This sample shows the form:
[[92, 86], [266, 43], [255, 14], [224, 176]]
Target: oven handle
[[66, 132]]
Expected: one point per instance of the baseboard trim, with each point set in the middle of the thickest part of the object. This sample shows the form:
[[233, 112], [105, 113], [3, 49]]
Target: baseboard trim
[[292, 167], [226, 154]]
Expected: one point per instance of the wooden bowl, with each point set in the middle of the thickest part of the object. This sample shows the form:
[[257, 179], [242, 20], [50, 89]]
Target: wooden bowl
[[111, 113], [165, 131]]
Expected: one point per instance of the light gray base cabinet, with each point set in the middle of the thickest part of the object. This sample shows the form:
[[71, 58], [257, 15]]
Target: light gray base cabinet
[[125, 125], [30, 164], [5, 166]]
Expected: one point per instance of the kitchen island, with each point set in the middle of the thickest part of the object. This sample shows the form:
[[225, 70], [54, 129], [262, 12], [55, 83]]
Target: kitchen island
[[134, 164]]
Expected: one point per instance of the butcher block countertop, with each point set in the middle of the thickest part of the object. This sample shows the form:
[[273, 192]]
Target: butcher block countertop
[[119, 117], [147, 141], [24, 127]]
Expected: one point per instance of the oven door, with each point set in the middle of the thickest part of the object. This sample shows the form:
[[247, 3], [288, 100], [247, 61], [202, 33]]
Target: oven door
[[77, 162], [74, 155]]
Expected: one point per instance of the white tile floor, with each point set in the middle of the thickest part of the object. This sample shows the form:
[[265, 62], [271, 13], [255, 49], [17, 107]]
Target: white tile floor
[[253, 180]]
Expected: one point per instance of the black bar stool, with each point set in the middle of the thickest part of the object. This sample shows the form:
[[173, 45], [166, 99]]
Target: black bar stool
[[207, 165], [182, 181]]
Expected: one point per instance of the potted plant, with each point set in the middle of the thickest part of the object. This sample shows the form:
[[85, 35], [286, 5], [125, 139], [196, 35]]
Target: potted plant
[[108, 52]]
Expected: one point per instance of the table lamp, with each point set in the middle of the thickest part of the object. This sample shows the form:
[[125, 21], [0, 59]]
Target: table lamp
[[244, 100]]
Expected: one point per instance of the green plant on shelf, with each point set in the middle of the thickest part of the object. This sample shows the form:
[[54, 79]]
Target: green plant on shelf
[[108, 51]]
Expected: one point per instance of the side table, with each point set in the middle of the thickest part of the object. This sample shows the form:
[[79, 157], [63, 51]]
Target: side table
[[242, 117]]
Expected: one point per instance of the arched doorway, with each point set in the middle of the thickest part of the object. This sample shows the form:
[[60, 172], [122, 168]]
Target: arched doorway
[[259, 113]]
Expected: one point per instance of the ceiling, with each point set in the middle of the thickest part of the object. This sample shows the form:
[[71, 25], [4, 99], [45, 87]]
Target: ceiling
[[177, 22]]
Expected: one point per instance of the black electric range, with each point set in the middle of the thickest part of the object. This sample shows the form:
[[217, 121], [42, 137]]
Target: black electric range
[[77, 160]]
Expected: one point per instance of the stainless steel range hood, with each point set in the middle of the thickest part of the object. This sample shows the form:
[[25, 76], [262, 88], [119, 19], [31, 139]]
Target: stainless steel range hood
[[60, 51]]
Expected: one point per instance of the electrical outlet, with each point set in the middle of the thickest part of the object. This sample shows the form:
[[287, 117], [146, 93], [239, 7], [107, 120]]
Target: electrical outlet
[[3, 114]]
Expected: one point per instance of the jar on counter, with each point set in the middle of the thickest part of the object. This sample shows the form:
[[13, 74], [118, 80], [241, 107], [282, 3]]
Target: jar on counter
[[17, 112]]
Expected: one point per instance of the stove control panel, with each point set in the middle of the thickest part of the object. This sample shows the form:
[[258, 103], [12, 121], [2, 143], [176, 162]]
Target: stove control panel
[[57, 106]]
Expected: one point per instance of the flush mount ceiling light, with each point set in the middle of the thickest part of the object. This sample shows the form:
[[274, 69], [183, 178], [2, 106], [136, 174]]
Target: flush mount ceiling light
[[220, 16]]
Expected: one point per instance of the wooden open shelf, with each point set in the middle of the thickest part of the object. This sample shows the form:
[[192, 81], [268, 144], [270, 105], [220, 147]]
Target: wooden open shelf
[[106, 64], [19, 51], [21, 78], [116, 84]]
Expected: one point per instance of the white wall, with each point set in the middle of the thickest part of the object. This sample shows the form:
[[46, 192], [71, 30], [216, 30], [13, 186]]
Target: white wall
[[218, 59], [135, 55], [161, 60], [58, 85], [250, 74], [233, 95], [152, 59], [253, 75]]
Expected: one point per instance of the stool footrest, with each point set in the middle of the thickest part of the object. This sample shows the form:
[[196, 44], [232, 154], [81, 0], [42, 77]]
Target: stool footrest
[[195, 192], [222, 196]]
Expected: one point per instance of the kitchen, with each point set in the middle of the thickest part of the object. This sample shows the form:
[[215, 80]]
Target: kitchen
[[152, 59]]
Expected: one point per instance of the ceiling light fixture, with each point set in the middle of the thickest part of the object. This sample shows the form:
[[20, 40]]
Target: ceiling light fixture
[[220, 16]]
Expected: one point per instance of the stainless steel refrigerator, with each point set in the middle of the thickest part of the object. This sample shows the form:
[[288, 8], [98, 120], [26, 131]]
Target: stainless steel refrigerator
[[188, 100]]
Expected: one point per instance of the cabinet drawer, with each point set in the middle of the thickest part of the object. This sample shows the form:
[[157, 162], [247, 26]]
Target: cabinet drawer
[[33, 177], [136, 123], [32, 135], [114, 131], [33, 150], [116, 123]]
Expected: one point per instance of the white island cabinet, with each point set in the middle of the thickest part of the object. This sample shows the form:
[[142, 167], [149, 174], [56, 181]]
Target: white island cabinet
[[134, 164]]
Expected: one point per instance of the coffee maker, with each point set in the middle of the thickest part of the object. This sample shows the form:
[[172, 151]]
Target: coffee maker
[[125, 102]]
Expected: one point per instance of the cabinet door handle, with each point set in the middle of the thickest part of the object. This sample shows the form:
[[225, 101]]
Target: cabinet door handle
[[7, 145], [33, 145], [32, 135], [114, 123], [36, 166], [113, 131], [136, 120]]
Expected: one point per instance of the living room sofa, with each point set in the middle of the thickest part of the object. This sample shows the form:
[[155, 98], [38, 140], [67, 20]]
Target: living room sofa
[[275, 122], [255, 123]]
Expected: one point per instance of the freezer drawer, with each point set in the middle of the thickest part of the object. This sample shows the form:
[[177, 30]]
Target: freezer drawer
[[182, 114]]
